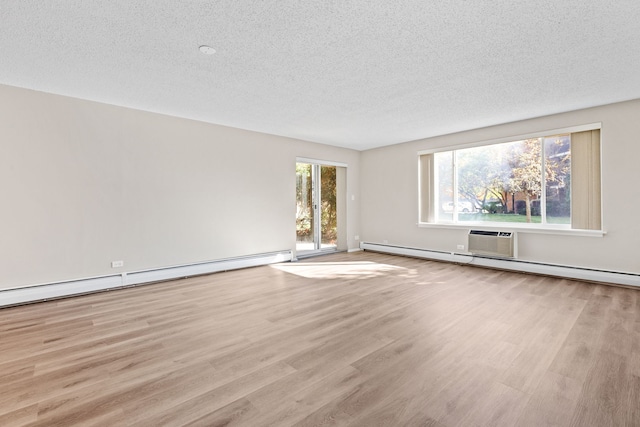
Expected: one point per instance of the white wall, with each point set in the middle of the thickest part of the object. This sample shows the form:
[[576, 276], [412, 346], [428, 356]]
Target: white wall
[[389, 202], [83, 184]]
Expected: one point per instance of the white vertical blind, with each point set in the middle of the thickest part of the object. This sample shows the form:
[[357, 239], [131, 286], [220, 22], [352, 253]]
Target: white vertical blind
[[586, 211], [427, 211]]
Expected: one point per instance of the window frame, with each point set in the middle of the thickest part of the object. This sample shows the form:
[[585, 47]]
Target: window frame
[[426, 208]]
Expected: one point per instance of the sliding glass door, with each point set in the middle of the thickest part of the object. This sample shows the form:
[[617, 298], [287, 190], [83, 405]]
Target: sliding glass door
[[316, 208]]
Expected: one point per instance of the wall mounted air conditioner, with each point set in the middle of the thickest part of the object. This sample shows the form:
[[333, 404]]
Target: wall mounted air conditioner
[[492, 243]]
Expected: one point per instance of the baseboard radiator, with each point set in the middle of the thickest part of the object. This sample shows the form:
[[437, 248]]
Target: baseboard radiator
[[43, 292], [570, 272]]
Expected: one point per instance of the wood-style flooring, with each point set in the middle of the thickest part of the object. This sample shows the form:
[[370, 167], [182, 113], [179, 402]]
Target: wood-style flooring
[[358, 339]]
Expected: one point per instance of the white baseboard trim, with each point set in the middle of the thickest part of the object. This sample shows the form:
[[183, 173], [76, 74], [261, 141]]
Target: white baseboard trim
[[580, 273], [29, 294], [355, 250], [45, 292]]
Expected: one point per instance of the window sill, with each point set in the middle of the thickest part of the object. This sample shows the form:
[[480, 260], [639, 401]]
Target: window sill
[[520, 228]]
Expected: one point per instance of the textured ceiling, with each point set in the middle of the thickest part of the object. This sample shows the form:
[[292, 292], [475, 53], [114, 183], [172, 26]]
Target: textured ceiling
[[357, 74]]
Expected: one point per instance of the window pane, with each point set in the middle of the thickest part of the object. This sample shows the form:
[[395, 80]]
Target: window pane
[[503, 183], [558, 178], [497, 182], [526, 179], [444, 185], [328, 211], [482, 176], [304, 207]]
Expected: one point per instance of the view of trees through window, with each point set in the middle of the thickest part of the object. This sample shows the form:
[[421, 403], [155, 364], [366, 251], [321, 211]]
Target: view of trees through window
[[521, 181], [304, 203]]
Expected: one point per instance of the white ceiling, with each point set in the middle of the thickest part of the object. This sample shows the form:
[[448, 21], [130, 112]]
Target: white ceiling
[[356, 74]]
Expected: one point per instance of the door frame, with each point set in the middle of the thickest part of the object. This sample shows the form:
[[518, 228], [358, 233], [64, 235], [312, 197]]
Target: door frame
[[340, 205]]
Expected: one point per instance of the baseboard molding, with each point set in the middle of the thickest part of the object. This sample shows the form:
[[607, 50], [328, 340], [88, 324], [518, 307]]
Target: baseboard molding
[[354, 250], [29, 294], [580, 273]]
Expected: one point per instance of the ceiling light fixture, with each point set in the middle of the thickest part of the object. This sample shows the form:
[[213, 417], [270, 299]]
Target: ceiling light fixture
[[207, 50]]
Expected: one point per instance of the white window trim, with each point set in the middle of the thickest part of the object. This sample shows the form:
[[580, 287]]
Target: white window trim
[[320, 162], [520, 227]]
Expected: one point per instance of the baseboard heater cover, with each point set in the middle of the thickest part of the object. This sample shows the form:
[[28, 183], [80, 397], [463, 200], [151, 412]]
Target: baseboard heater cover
[[579, 273], [43, 292]]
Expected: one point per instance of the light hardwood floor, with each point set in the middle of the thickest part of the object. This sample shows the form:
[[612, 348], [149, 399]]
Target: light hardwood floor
[[359, 339]]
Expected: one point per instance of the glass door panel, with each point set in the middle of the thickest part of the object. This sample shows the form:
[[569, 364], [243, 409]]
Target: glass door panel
[[305, 212], [329, 215]]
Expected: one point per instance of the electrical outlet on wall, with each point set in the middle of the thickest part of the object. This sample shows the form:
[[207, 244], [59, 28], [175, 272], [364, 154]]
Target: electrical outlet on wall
[[356, 237], [116, 264], [461, 247]]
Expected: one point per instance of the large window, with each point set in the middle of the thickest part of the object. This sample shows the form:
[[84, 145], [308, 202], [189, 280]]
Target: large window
[[551, 181]]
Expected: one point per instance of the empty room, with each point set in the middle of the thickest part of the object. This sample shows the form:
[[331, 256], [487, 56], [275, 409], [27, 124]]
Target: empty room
[[279, 213]]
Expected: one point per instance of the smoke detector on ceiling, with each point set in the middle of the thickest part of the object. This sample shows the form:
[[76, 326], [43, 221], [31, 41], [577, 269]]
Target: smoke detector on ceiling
[[207, 50]]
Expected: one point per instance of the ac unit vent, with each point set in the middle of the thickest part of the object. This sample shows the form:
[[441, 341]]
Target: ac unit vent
[[492, 243]]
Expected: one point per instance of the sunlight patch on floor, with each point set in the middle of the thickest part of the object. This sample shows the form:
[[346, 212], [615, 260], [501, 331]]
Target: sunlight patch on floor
[[335, 270]]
